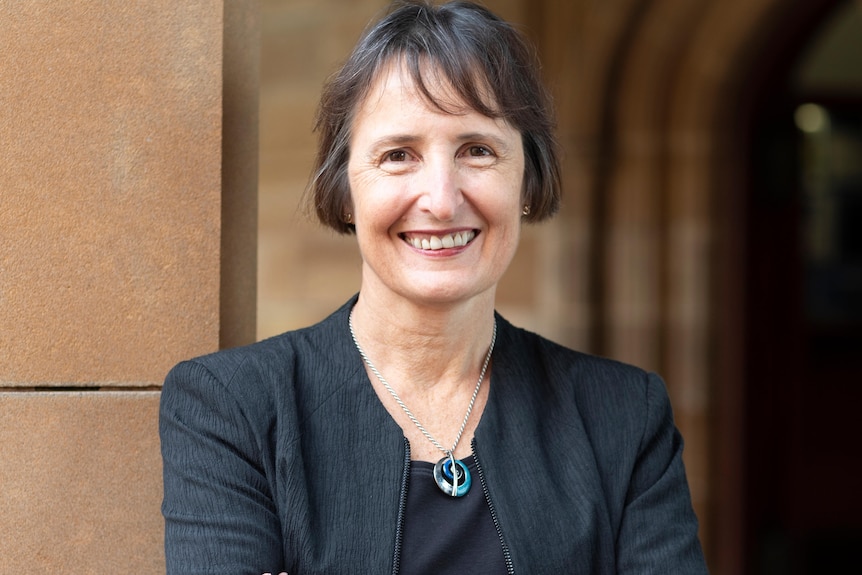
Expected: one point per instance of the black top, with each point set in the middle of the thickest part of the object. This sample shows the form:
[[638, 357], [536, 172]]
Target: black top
[[447, 535]]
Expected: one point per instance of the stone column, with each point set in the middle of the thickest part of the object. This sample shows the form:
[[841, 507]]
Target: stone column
[[128, 137]]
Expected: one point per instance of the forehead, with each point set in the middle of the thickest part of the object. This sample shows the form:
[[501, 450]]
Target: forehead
[[432, 88], [396, 90]]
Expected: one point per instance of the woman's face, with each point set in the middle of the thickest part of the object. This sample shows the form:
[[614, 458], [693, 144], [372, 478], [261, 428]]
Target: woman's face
[[436, 196]]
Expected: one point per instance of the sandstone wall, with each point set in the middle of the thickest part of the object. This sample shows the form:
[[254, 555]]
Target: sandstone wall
[[115, 262]]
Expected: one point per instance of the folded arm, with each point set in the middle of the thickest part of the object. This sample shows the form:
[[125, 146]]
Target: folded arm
[[220, 516]]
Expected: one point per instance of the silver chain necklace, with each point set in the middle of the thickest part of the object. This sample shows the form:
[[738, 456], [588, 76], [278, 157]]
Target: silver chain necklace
[[451, 475]]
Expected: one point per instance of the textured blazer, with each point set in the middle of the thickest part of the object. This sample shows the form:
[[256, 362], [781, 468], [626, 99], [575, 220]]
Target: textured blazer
[[280, 456]]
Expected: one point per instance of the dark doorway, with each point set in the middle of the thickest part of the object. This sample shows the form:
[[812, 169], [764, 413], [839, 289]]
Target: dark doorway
[[803, 304]]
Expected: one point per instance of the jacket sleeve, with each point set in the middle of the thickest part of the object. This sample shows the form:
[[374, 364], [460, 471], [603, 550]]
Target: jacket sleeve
[[220, 517], [658, 532]]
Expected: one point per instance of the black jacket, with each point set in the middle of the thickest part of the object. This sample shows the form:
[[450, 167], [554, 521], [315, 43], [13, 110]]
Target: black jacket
[[279, 456]]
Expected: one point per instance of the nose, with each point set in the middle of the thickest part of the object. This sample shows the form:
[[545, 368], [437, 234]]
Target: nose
[[440, 189]]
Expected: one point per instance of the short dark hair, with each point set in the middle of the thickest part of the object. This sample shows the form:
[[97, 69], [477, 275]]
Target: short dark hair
[[476, 51]]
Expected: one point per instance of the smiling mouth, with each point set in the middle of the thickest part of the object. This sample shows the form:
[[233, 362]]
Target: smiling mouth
[[434, 243]]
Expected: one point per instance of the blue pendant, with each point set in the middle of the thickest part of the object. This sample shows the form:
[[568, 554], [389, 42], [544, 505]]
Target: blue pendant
[[456, 484]]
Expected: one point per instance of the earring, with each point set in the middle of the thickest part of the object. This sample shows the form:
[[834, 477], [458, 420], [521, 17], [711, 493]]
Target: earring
[[348, 218], [526, 210]]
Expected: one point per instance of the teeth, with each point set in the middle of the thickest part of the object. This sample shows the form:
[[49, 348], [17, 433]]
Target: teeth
[[438, 243]]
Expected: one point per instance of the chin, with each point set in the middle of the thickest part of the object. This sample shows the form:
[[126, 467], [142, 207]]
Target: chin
[[448, 294]]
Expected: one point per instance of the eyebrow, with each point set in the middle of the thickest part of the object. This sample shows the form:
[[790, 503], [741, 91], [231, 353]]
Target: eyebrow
[[399, 140], [498, 142], [396, 140]]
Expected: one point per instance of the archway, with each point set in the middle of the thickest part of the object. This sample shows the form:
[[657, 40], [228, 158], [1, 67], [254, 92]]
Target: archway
[[803, 317], [660, 129]]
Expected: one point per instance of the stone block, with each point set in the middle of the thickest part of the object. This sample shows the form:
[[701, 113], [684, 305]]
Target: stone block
[[111, 139], [80, 482]]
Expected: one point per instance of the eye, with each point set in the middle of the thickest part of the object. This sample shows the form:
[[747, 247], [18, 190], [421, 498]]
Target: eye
[[478, 155], [395, 156], [479, 151], [397, 161]]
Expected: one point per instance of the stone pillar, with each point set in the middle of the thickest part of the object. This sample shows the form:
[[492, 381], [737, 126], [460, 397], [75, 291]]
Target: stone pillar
[[128, 136]]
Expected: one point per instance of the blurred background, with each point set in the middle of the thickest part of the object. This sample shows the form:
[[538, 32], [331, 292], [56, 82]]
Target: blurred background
[[710, 231]]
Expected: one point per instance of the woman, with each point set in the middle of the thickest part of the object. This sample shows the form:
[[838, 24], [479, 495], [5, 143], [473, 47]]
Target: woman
[[414, 430]]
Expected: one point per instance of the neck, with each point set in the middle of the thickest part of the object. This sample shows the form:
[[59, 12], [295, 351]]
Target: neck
[[425, 346]]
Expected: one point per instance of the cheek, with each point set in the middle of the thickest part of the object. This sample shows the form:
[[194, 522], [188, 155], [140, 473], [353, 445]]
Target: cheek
[[511, 196], [375, 199], [362, 188]]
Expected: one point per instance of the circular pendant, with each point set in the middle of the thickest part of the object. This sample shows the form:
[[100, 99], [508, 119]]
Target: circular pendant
[[455, 482]]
